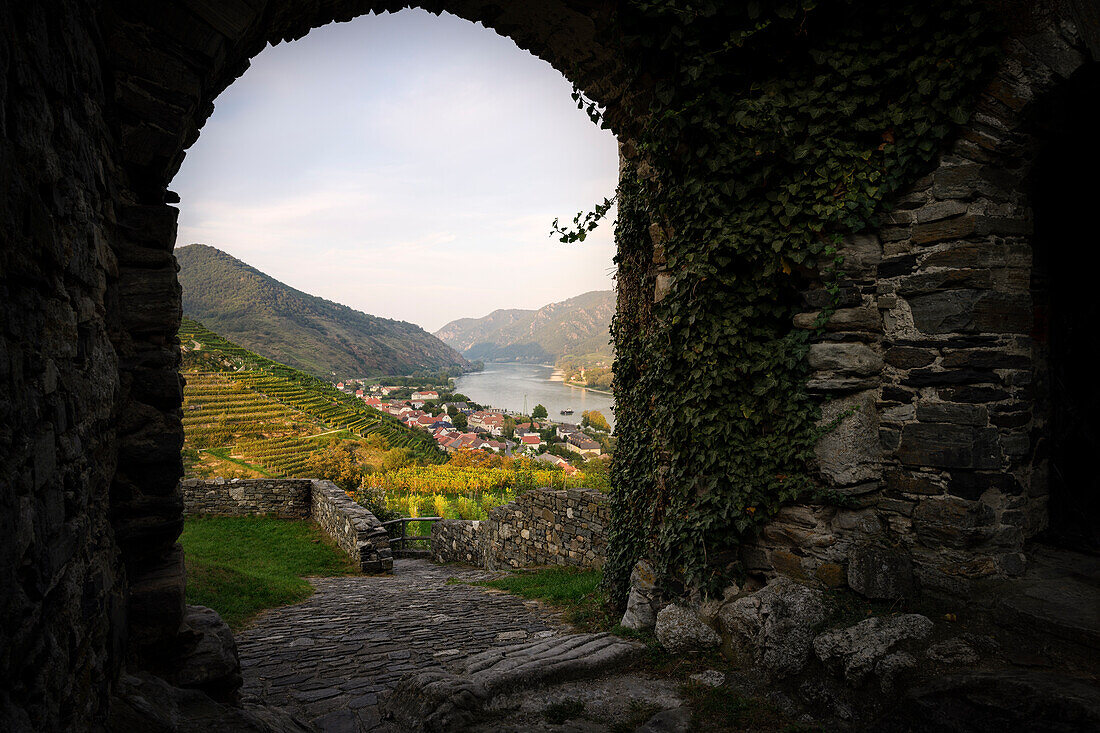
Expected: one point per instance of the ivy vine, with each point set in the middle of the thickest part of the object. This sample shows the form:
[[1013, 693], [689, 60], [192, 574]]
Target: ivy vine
[[773, 130]]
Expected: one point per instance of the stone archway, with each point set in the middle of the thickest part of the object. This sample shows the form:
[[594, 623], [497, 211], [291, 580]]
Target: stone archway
[[99, 103], [104, 102], [169, 63]]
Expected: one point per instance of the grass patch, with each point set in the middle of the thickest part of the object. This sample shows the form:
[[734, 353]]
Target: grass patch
[[576, 591], [223, 454], [241, 565]]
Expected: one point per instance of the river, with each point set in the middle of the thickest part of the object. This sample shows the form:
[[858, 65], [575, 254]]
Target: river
[[506, 385]]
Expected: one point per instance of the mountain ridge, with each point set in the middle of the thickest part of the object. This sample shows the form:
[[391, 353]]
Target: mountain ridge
[[304, 331], [577, 326]]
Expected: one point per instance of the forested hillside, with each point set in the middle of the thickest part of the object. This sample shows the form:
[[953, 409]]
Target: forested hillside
[[577, 327], [298, 329]]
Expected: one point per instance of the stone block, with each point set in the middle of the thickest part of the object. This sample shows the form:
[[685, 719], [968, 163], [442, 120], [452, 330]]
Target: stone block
[[845, 358], [850, 453], [939, 445], [879, 573], [947, 412], [679, 630]]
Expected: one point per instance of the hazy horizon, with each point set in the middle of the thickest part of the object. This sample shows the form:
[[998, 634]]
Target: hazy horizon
[[405, 165]]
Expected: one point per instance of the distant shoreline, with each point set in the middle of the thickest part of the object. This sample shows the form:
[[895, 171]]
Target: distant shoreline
[[584, 386]]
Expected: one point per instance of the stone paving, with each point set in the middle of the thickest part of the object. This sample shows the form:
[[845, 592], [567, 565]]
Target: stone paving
[[331, 659]]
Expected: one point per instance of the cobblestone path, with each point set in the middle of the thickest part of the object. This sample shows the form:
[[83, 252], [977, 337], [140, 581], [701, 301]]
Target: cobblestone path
[[331, 658]]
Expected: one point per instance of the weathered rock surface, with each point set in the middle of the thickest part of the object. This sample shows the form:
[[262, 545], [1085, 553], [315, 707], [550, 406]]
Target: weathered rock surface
[[674, 720], [601, 705], [642, 602], [209, 661], [146, 703], [679, 630], [850, 452], [774, 627], [1005, 700], [708, 678], [953, 651], [443, 701], [865, 648], [880, 574]]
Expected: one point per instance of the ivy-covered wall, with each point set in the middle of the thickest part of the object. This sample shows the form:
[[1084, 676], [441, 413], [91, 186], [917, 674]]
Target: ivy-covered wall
[[778, 190]]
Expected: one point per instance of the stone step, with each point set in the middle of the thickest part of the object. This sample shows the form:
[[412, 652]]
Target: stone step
[[451, 700]]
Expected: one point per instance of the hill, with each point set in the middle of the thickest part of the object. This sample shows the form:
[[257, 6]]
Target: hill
[[247, 411], [298, 329], [577, 327]]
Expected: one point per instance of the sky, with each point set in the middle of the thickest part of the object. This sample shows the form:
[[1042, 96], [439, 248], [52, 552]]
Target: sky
[[407, 165]]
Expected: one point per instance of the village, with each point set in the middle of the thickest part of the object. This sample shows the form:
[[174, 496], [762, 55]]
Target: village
[[457, 423]]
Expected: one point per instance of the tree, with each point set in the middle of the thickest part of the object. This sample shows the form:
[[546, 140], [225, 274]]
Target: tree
[[337, 463], [459, 420], [595, 419], [459, 397], [397, 458], [538, 412]]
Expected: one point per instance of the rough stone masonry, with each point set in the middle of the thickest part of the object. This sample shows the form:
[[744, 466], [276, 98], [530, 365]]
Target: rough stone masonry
[[541, 527], [944, 457]]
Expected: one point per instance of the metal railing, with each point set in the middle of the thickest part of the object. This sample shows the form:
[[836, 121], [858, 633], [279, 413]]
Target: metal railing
[[401, 543]]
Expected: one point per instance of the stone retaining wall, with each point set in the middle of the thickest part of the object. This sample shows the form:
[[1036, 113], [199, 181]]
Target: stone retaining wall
[[355, 529], [286, 498], [541, 527], [457, 540]]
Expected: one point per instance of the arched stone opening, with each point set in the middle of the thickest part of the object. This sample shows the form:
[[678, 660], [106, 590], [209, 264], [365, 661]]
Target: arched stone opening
[[99, 105], [170, 63], [1063, 195]]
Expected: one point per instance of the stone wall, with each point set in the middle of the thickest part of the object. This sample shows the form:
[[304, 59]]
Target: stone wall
[[541, 527], [930, 360], [100, 101], [63, 588], [457, 540], [287, 498], [355, 529]]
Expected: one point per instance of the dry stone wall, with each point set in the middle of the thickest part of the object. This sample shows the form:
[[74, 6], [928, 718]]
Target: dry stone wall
[[541, 527], [929, 364], [287, 498], [457, 540], [355, 529], [100, 101]]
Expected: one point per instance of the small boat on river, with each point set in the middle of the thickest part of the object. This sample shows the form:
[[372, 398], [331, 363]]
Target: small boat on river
[[567, 411]]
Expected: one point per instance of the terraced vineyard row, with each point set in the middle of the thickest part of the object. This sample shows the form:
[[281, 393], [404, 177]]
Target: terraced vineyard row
[[263, 390]]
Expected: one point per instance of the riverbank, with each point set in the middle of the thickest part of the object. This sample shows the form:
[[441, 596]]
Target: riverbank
[[590, 389], [511, 386]]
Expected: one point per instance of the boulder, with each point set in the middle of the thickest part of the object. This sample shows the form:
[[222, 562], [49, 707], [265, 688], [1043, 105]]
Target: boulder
[[953, 651], [673, 720], [208, 658], [880, 574], [891, 668], [679, 630], [643, 603], [142, 702], [774, 627], [862, 650]]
